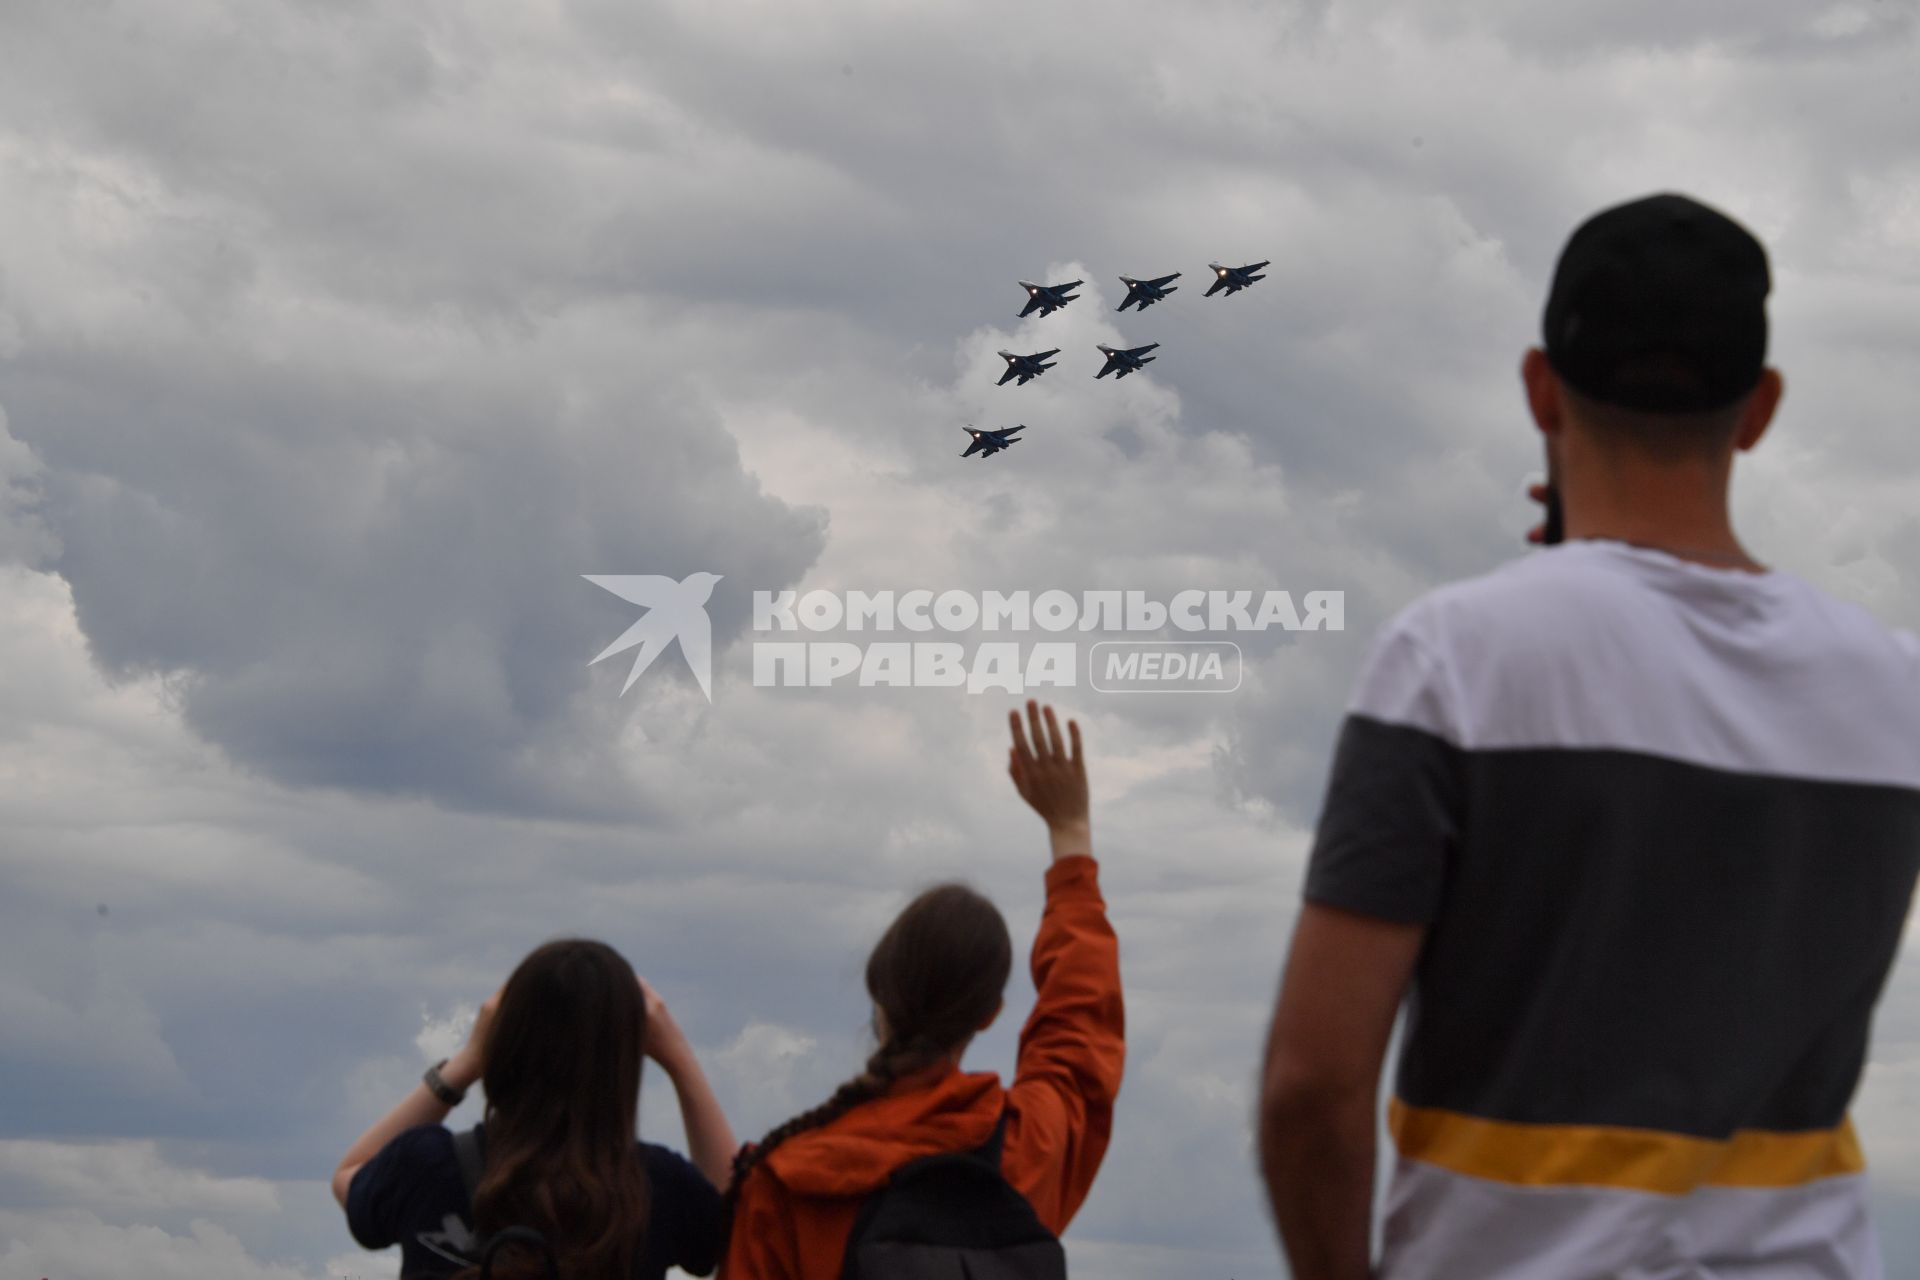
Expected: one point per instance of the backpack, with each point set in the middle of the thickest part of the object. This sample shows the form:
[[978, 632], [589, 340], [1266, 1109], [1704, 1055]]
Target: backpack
[[952, 1216], [468, 1152]]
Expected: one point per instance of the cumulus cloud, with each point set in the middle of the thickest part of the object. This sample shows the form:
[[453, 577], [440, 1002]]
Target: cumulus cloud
[[379, 587], [24, 538], [776, 1071], [126, 1175], [442, 1035], [83, 1246]]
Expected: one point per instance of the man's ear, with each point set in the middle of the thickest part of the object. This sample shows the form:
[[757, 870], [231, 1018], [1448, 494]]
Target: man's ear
[[998, 1006], [1760, 409], [1543, 391]]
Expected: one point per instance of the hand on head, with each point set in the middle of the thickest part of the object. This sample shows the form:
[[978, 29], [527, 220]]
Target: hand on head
[[666, 1044], [468, 1064]]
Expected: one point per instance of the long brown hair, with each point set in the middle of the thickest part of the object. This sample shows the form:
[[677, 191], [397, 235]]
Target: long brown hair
[[936, 977], [562, 1078]]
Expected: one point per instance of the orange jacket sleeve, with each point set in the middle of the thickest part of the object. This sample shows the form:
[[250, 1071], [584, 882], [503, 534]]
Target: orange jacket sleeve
[[1072, 1050]]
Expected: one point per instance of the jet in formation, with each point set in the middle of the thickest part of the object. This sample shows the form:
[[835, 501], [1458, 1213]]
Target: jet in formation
[[1147, 292], [1126, 360], [1026, 368], [988, 443], [1048, 298], [1233, 279]]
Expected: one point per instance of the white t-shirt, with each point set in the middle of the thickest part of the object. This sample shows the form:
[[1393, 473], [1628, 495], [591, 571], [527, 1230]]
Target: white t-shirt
[[1662, 822]]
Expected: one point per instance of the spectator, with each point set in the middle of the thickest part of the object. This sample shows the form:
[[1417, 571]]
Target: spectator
[[936, 978], [559, 1050], [1632, 823]]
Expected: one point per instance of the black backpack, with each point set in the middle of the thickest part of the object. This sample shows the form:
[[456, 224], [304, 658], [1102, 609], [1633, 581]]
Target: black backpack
[[952, 1216], [472, 1157]]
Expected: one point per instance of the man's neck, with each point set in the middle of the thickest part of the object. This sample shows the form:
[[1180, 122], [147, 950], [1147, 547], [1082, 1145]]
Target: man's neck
[[1719, 549], [1679, 510]]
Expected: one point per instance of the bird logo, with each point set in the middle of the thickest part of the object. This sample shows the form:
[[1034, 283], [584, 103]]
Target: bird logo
[[674, 611]]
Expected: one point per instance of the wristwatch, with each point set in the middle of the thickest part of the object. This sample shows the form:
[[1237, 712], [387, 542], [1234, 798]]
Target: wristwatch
[[437, 1085]]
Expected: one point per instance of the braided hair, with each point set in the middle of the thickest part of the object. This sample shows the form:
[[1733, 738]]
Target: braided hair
[[936, 977]]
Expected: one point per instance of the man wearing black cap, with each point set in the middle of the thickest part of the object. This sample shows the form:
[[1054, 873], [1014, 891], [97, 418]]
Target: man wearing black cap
[[1631, 825]]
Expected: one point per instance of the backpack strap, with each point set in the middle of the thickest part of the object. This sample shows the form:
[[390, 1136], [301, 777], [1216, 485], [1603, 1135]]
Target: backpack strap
[[996, 1142], [469, 1151]]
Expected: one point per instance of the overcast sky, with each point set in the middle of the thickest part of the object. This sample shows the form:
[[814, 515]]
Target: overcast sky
[[337, 340]]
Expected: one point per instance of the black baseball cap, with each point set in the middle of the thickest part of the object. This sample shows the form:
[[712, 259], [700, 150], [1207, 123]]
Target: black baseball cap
[[1659, 305]]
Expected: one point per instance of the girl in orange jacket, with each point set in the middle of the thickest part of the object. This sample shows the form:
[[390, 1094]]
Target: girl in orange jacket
[[936, 978]]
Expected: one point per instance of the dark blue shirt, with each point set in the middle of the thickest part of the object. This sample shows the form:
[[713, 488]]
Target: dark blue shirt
[[411, 1195]]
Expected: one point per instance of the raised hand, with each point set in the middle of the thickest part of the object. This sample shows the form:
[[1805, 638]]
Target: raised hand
[[710, 1139], [666, 1044], [1050, 774], [466, 1066]]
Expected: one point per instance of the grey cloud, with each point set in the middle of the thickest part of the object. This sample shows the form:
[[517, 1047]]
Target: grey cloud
[[380, 588], [24, 536]]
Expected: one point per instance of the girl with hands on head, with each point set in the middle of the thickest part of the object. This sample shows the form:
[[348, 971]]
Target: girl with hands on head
[[936, 978], [558, 1050]]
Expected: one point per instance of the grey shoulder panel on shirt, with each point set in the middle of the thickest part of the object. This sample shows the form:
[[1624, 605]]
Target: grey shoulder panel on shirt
[[1392, 809]]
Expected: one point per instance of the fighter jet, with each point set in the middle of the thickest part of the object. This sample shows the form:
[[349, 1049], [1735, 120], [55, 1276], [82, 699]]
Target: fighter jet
[[1126, 360], [1026, 367], [988, 443], [1233, 279], [1147, 292], [1048, 298]]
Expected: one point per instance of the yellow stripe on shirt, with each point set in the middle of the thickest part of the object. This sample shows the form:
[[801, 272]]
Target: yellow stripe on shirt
[[1630, 1159]]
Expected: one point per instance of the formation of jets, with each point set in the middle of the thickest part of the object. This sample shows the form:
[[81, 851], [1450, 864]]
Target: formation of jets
[[988, 443], [1045, 299]]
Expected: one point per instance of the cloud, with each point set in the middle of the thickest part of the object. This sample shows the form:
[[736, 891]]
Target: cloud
[[126, 1176], [24, 538], [774, 1071], [441, 1037], [379, 588], [84, 1247]]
